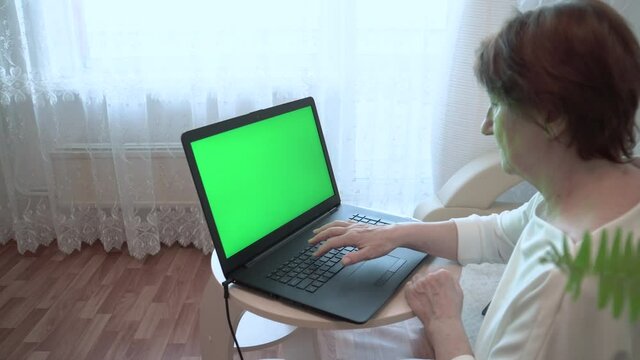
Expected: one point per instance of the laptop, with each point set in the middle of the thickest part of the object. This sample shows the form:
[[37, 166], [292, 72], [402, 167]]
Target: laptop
[[265, 181]]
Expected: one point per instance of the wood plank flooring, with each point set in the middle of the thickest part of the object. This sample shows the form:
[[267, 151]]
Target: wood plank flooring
[[97, 305]]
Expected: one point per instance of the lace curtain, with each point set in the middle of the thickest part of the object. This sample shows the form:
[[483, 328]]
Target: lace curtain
[[95, 94]]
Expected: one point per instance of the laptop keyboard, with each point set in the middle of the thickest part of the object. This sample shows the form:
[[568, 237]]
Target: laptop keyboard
[[367, 220], [306, 272]]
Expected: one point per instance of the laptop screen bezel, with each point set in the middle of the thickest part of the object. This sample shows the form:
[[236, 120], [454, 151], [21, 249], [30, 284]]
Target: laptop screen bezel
[[261, 245]]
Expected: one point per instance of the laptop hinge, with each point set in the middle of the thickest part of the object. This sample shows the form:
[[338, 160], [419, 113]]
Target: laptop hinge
[[286, 240]]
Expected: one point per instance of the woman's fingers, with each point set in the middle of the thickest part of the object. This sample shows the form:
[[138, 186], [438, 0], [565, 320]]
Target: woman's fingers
[[370, 241], [329, 230], [332, 243], [337, 223], [417, 299], [327, 234], [358, 255]]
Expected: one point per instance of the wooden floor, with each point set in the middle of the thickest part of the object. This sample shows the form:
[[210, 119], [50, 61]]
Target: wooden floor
[[97, 305]]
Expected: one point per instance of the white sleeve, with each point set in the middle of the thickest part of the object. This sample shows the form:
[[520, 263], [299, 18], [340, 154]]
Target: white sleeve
[[492, 238]]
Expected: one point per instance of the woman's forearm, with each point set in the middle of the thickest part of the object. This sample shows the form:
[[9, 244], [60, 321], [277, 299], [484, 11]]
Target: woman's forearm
[[437, 238], [449, 339]]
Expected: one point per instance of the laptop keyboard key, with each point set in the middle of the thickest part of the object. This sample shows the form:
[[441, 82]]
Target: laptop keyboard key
[[304, 283], [335, 268]]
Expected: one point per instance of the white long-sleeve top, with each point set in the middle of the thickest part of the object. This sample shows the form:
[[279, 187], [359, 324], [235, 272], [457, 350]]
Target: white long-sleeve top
[[531, 315]]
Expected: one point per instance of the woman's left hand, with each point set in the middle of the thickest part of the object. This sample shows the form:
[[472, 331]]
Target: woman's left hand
[[436, 298]]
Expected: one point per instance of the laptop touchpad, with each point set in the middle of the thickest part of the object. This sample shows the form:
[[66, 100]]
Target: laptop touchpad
[[377, 271]]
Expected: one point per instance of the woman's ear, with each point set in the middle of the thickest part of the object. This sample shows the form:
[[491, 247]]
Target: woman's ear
[[554, 126]]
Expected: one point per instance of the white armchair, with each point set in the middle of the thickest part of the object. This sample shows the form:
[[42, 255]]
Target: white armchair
[[474, 189]]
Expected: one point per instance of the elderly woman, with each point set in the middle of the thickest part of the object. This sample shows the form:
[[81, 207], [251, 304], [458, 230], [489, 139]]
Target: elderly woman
[[564, 83]]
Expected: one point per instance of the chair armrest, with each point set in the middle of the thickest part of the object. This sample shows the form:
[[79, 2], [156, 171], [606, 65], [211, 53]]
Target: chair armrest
[[471, 190]]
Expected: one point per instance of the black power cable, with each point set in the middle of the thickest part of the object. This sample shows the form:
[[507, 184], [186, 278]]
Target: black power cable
[[225, 285]]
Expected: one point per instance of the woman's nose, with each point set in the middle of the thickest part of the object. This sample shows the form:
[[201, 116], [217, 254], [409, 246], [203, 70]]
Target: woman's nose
[[487, 124]]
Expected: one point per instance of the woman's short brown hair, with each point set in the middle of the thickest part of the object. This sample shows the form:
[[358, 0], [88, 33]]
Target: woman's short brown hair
[[577, 60]]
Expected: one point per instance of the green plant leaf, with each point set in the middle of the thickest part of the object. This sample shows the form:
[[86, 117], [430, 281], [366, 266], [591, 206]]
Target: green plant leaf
[[617, 286], [580, 266], [583, 259], [600, 263], [634, 300], [566, 254], [634, 297], [552, 255], [636, 262], [628, 255], [601, 269], [616, 267], [604, 291], [615, 258], [627, 270], [574, 279]]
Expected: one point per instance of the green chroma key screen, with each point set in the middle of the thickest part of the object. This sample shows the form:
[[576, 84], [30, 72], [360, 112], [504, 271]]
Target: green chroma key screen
[[260, 176]]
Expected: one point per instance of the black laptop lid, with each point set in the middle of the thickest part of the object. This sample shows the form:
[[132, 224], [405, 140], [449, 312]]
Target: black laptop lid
[[260, 177]]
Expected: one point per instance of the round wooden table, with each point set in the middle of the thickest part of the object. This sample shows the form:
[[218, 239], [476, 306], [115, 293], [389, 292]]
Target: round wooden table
[[277, 321]]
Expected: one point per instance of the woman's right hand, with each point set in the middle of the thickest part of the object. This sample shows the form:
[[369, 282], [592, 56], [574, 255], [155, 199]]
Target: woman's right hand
[[372, 241]]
